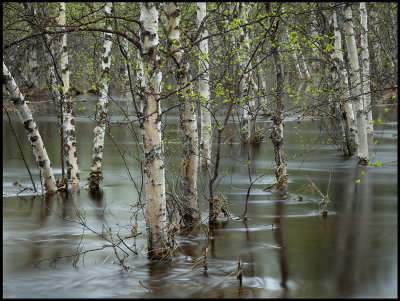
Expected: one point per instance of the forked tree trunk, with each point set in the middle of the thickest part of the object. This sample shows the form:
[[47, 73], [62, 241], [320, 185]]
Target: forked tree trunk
[[30, 126], [191, 213], [96, 173], [356, 87], [366, 82], [277, 124], [204, 90], [67, 110], [343, 84], [156, 215]]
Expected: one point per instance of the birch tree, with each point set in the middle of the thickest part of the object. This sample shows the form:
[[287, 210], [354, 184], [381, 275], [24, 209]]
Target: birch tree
[[191, 213], [277, 121], [356, 87], [156, 216], [366, 82], [343, 84], [67, 109], [204, 88], [32, 131], [247, 84], [96, 173]]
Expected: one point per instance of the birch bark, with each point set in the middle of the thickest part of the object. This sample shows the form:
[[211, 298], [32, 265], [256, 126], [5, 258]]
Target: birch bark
[[96, 173], [247, 84], [156, 217], [30, 126], [356, 87], [191, 213], [204, 89], [67, 110], [277, 121], [366, 82], [343, 84]]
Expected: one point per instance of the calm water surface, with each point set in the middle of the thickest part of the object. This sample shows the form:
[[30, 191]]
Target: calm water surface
[[287, 250]]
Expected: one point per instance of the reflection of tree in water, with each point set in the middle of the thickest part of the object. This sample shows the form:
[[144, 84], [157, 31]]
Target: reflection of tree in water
[[57, 211], [97, 197], [351, 237], [279, 235]]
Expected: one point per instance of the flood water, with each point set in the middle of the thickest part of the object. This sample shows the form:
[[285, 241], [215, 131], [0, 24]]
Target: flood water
[[287, 249]]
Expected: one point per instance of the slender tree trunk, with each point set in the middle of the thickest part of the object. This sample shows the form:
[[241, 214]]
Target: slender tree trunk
[[67, 110], [247, 84], [277, 123], [156, 215], [343, 84], [204, 89], [30, 126], [96, 173], [191, 213], [356, 87], [366, 83]]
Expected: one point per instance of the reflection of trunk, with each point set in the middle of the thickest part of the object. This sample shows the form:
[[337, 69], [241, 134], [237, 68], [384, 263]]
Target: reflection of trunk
[[156, 217], [67, 110], [356, 87], [33, 134], [277, 125], [96, 173], [279, 235], [204, 90], [191, 213], [365, 67], [350, 246], [341, 77]]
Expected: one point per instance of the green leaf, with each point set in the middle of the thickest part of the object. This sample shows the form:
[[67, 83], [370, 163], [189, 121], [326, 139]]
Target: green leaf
[[358, 181]]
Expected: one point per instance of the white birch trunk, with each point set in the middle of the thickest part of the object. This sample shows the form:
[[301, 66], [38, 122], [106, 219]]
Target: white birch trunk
[[204, 90], [67, 110], [356, 87], [191, 213], [96, 173], [247, 85], [31, 128], [277, 125], [366, 82], [156, 215], [337, 56]]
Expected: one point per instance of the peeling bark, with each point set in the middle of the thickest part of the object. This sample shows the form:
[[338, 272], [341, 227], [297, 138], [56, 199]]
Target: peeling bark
[[30, 126]]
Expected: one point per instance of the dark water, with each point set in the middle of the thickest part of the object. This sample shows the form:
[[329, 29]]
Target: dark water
[[287, 250]]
